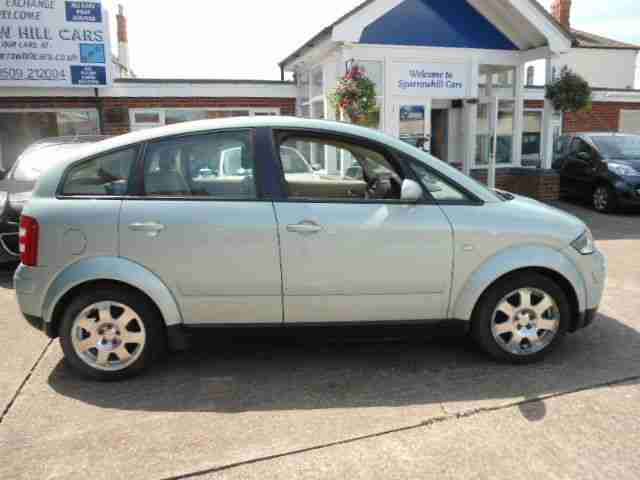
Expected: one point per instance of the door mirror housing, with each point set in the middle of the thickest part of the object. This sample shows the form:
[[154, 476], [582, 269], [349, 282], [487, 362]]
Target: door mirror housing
[[584, 156], [411, 191]]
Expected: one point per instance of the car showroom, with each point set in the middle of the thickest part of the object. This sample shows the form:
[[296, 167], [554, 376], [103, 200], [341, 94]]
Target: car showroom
[[487, 96], [412, 253]]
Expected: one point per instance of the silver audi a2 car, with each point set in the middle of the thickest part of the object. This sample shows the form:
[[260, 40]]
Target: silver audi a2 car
[[132, 242]]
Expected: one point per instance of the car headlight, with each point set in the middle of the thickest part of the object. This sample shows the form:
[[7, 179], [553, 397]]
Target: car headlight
[[584, 243], [622, 170]]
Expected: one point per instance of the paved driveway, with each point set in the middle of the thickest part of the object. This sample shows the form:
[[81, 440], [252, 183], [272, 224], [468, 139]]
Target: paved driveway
[[318, 408]]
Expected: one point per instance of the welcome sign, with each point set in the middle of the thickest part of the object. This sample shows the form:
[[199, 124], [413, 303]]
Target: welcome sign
[[434, 80], [54, 43]]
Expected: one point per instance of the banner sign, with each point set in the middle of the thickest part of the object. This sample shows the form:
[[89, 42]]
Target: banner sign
[[54, 43], [433, 80]]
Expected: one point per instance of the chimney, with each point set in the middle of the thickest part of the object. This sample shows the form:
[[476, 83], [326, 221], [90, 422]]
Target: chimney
[[123, 41], [561, 11]]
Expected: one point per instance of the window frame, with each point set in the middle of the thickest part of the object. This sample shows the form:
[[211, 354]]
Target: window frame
[[399, 160], [60, 195], [162, 111], [137, 192], [472, 199]]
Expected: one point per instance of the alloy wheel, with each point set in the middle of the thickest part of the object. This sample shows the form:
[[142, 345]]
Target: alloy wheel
[[601, 199], [108, 336], [525, 321]]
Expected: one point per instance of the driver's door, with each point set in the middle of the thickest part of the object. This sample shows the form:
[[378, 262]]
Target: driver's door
[[580, 169], [350, 255]]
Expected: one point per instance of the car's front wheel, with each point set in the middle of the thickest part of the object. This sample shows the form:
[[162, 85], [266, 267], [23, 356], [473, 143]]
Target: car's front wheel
[[604, 199], [521, 318], [111, 333]]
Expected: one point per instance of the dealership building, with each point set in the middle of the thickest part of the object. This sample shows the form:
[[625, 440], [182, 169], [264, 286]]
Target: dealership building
[[458, 76]]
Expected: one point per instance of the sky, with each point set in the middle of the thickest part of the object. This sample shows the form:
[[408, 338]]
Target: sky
[[247, 38]]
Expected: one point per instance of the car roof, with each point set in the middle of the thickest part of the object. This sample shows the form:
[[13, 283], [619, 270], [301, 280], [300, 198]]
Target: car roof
[[276, 122], [605, 134]]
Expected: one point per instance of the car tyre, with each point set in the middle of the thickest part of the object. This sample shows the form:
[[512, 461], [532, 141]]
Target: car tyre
[[521, 318], [111, 333], [604, 199]]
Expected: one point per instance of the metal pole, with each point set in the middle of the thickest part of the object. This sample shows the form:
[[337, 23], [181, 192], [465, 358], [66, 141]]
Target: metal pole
[[491, 177]]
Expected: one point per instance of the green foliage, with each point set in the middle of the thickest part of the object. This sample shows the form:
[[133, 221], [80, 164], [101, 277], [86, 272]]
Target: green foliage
[[570, 93], [355, 95]]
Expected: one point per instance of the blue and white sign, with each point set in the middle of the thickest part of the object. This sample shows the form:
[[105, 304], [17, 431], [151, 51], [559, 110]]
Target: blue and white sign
[[88, 75], [433, 80], [83, 12], [54, 43]]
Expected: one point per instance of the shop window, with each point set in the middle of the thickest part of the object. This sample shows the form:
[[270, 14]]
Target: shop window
[[317, 109], [227, 113], [503, 131], [141, 119], [147, 117], [107, 175], [504, 147], [483, 144], [78, 123], [179, 116], [317, 82], [532, 139]]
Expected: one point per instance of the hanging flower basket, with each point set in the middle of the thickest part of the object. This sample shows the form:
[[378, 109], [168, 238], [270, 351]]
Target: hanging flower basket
[[355, 98], [570, 93]]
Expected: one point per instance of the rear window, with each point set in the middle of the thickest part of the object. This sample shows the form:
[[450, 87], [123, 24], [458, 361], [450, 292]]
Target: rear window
[[107, 175]]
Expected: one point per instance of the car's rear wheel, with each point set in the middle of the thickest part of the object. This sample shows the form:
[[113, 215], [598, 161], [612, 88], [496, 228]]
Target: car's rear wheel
[[604, 199], [111, 333], [521, 318]]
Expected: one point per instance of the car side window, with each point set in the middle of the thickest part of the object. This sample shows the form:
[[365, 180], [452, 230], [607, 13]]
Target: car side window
[[214, 165], [107, 175], [440, 189], [318, 169]]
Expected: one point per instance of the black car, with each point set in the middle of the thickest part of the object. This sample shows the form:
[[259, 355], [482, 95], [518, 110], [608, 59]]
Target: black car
[[601, 167], [16, 187]]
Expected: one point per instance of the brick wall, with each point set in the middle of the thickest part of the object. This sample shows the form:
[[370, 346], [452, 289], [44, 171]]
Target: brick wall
[[539, 184], [47, 102], [604, 116], [116, 110]]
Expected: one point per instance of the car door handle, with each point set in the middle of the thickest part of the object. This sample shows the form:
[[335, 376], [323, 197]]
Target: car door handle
[[305, 227], [151, 228]]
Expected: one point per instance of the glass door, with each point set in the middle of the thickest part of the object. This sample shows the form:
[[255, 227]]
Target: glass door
[[413, 120]]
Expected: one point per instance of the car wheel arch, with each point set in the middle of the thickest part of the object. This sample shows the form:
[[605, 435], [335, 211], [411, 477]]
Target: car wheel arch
[[543, 260], [109, 270]]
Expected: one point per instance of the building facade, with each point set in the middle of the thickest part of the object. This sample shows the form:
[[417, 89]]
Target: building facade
[[456, 76]]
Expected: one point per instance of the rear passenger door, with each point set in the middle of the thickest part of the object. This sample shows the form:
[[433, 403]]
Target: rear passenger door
[[210, 237]]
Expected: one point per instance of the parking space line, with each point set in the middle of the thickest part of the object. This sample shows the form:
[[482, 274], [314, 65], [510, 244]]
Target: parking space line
[[7, 408], [426, 423]]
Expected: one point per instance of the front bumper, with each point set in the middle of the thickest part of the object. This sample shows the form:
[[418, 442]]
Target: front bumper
[[628, 193]]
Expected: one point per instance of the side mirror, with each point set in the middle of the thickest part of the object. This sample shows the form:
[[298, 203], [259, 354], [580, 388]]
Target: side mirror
[[584, 156], [316, 167], [411, 191]]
